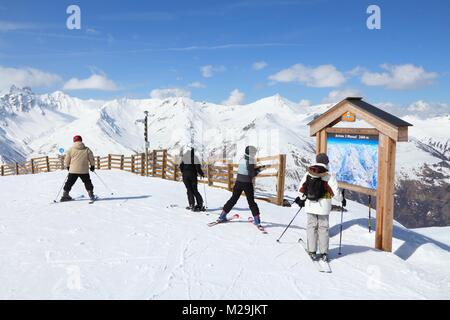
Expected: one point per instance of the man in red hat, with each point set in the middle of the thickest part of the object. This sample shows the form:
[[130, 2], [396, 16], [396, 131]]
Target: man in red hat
[[79, 160]]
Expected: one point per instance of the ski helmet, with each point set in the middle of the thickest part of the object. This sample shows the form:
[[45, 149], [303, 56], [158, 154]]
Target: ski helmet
[[77, 139], [322, 158], [250, 151]]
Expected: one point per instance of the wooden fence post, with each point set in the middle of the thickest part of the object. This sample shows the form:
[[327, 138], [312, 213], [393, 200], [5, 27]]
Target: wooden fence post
[[3, 170], [154, 163], [230, 176], [175, 172], [109, 161], [164, 164], [132, 164], [32, 166], [122, 160], [143, 163], [17, 168], [47, 160], [208, 174], [281, 179]]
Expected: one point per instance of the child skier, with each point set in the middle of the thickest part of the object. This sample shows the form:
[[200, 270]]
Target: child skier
[[190, 168], [317, 188], [244, 182], [78, 160]]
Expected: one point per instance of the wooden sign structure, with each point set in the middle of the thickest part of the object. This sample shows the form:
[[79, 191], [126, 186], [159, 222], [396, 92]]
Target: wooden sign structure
[[390, 130]]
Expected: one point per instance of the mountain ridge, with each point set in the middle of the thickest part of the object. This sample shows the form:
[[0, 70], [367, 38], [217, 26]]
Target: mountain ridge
[[35, 125]]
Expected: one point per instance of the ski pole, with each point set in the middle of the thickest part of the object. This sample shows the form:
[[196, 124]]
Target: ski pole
[[101, 180], [278, 240], [204, 192], [370, 214], [342, 219], [57, 196]]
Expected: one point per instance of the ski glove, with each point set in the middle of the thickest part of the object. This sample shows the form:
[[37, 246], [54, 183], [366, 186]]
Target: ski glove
[[344, 203], [92, 168], [300, 202]]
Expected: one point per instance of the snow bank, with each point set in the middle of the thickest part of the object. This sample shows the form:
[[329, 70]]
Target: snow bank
[[134, 245]]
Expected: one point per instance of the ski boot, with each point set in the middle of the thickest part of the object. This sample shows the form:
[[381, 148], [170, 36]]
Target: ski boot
[[324, 257], [257, 221], [91, 195], [313, 256], [66, 197], [222, 217], [190, 208], [199, 208]]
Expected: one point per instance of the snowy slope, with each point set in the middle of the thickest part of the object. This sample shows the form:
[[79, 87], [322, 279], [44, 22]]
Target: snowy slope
[[132, 245]]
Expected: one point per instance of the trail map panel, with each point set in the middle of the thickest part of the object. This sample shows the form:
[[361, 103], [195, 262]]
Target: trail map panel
[[354, 158]]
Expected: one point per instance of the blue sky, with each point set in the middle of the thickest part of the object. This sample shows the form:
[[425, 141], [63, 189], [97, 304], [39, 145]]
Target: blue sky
[[315, 50]]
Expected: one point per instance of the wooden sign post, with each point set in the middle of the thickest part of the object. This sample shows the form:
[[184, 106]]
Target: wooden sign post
[[389, 129]]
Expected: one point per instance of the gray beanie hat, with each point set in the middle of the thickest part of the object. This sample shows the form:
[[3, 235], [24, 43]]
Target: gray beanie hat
[[322, 158]]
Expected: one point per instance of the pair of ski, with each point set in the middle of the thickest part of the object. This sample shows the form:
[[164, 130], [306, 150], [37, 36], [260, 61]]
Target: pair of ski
[[236, 217], [321, 265], [176, 206], [91, 201]]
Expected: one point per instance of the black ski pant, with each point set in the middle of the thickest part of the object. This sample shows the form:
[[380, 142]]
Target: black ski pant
[[191, 183], [72, 178], [247, 187]]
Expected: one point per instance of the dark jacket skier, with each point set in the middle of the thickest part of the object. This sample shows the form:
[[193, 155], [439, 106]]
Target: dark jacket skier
[[78, 161], [191, 168], [244, 182]]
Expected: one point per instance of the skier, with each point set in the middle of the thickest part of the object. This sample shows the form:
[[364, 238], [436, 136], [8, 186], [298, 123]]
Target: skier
[[190, 168], [317, 188], [78, 160], [244, 182]]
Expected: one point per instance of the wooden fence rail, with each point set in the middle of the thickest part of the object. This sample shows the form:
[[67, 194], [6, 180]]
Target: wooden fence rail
[[160, 164]]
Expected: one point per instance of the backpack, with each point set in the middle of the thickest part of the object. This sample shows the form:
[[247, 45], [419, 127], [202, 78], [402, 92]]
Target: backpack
[[314, 188]]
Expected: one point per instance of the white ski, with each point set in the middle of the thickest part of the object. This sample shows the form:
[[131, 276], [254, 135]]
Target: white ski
[[321, 265]]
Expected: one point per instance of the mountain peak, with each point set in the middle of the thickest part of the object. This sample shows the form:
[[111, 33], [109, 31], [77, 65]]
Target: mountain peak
[[16, 90]]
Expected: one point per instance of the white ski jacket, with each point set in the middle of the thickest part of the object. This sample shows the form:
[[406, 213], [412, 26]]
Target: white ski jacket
[[323, 206]]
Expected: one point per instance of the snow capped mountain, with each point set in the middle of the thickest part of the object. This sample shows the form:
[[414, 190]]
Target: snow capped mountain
[[33, 125]]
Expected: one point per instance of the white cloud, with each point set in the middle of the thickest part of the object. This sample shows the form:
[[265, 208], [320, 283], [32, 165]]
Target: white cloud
[[94, 82], [323, 76], [236, 98], [429, 109], [339, 95], [399, 77], [169, 93], [304, 103], [356, 71], [259, 65], [209, 70], [26, 77], [421, 108], [6, 26], [197, 85], [92, 31], [392, 108]]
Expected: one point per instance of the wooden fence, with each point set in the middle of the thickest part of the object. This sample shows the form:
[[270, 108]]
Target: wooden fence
[[160, 164]]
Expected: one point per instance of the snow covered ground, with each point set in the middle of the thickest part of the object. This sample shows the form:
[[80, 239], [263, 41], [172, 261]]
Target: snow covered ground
[[133, 245]]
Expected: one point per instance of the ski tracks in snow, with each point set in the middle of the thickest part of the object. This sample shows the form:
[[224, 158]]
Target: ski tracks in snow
[[176, 260]]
